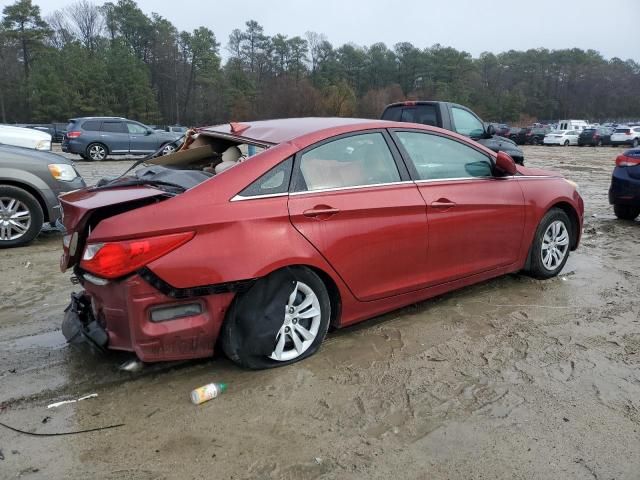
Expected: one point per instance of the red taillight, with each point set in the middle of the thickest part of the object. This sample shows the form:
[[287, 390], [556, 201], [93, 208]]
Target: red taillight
[[73, 134], [624, 161], [116, 259]]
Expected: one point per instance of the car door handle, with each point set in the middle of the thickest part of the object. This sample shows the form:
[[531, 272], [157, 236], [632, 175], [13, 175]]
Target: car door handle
[[443, 203], [320, 211]]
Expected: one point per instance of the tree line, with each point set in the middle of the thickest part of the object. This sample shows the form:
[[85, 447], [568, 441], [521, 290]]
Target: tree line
[[114, 59]]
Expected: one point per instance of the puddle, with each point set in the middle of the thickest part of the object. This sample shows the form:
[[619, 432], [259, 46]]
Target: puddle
[[52, 340]]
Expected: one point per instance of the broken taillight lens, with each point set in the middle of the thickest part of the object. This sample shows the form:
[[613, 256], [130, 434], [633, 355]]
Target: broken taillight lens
[[116, 259]]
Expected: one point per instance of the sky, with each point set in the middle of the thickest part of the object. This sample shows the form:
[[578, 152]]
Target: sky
[[610, 27]]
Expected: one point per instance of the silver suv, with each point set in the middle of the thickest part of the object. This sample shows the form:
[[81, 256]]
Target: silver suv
[[30, 182], [94, 138]]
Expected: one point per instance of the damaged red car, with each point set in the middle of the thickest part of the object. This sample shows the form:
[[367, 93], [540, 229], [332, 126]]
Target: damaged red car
[[328, 222]]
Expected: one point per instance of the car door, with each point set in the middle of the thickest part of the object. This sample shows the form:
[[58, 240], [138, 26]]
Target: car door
[[114, 134], [476, 220], [141, 139], [353, 200]]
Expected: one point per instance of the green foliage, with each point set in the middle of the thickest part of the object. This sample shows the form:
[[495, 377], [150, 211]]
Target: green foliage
[[116, 60]]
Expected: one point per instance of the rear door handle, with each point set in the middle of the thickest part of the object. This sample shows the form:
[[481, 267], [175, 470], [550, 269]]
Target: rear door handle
[[443, 203], [320, 211]]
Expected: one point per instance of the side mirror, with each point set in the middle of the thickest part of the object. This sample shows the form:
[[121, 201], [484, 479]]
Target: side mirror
[[491, 131], [149, 131], [505, 164]]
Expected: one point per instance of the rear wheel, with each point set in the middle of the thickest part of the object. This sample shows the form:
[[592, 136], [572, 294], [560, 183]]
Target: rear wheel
[[96, 152], [635, 142], [599, 143], [21, 217], [299, 328], [168, 148], [566, 143], [551, 245], [626, 212]]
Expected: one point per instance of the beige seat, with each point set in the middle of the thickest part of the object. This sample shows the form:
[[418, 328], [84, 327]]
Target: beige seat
[[230, 158]]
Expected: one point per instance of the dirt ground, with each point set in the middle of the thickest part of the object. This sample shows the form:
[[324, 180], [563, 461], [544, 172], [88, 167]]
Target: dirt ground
[[512, 378]]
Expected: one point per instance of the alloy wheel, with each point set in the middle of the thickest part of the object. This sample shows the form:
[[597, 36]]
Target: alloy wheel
[[301, 324], [97, 152], [168, 148], [15, 219], [555, 245]]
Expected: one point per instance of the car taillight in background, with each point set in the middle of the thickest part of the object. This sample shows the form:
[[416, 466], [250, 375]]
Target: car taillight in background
[[74, 134], [116, 259], [628, 161]]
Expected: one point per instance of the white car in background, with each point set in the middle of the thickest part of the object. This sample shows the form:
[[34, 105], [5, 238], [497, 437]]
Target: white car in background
[[561, 137], [625, 135], [25, 137]]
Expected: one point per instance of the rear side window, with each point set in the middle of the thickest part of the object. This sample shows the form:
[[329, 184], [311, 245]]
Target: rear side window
[[623, 130], [273, 182], [437, 158], [114, 127], [467, 123], [91, 125], [357, 160]]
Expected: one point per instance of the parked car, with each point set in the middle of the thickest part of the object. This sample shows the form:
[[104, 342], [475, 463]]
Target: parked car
[[454, 117], [336, 221], [625, 135], [24, 137], [561, 137], [30, 182], [94, 138], [537, 134], [56, 130], [624, 193], [519, 135], [573, 125], [595, 137]]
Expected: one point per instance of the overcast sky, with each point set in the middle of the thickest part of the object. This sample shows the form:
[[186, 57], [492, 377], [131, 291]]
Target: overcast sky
[[610, 26]]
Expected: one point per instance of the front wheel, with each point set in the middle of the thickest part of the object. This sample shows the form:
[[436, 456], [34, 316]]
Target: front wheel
[[551, 245], [282, 319], [566, 143], [635, 143], [626, 212], [21, 217]]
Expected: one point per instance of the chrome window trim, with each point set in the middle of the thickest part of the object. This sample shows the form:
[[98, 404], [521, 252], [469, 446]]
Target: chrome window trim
[[239, 198], [354, 187], [456, 179]]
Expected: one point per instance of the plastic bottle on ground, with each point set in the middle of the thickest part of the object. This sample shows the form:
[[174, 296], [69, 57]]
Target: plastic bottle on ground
[[207, 392]]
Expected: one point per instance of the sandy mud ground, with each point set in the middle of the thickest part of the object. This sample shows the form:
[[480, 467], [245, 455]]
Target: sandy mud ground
[[512, 378]]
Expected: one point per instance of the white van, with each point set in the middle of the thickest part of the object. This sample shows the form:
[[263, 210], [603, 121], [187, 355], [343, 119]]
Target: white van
[[25, 137], [573, 125]]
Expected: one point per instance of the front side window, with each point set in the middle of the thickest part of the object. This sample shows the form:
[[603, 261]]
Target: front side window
[[436, 157], [356, 160], [136, 129], [466, 123]]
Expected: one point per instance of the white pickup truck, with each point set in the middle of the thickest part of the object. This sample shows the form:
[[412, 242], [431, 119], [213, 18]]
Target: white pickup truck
[[25, 137]]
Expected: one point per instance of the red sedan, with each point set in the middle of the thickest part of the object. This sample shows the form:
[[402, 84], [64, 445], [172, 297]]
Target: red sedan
[[332, 222]]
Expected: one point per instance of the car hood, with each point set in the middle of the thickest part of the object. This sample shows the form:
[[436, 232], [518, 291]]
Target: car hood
[[535, 172], [8, 131], [31, 154]]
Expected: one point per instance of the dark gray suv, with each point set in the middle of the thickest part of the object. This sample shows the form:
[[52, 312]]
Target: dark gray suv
[[30, 182], [93, 138]]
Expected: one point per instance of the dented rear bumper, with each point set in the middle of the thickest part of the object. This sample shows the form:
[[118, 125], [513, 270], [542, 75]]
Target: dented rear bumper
[[118, 316]]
